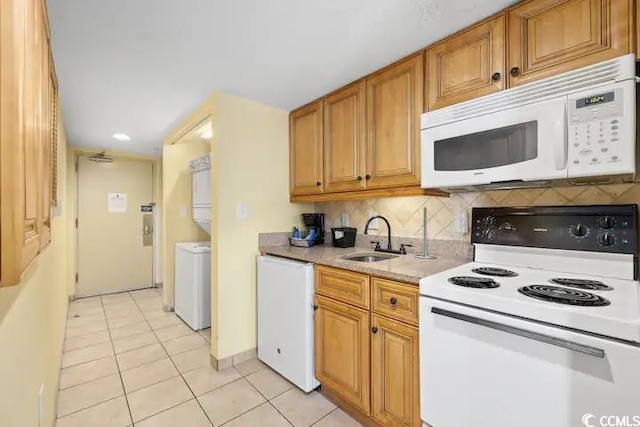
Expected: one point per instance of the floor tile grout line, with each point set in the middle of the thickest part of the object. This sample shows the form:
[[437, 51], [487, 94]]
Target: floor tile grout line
[[265, 397], [92, 379], [120, 372], [325, 416], [181, 376]]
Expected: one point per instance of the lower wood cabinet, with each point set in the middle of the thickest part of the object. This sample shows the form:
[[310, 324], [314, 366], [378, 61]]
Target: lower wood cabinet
[[368, 358], [395, 377], [342, 350]]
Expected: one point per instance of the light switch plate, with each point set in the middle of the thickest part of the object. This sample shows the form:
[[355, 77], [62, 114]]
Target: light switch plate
[[345, 219], [242, 211], [373, 225]]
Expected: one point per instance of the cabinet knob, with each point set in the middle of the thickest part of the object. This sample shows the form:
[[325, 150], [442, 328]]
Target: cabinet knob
[[496, 77], [393, 301], [367, 177], [315, 307], [374, 330], [359, 178], [515, 71], [318, 183]]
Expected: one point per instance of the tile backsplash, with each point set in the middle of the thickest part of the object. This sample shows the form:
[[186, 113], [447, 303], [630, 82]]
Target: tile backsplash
[[405, 213]]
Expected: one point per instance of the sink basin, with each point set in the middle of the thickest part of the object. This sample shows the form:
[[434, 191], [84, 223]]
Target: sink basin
[[370, 257]]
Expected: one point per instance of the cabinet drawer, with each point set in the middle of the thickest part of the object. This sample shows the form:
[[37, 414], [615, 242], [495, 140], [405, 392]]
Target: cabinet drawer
[[396, 300], [345, 286]]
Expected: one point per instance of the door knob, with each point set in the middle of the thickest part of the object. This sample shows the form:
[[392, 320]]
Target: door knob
[[393, 301], [515, 71], [374, 330], [496, 77]]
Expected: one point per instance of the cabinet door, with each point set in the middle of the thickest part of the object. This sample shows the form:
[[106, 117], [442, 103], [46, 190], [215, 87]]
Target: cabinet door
[[342, 350], [467, 65], [32, 152], [344, 139], [12, 75], [44, 127], [549, 37], [394, 105], [395, 373], [305, 146]]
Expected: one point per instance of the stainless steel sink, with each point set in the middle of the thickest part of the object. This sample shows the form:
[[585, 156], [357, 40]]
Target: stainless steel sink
[[369, 257]]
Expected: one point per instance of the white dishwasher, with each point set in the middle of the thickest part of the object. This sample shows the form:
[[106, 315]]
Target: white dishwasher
[[285, 319]]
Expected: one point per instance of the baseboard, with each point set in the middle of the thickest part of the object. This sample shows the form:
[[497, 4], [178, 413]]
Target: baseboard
[[236, 359]]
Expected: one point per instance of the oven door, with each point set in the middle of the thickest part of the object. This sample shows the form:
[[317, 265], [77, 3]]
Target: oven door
[[527, 143], [480, 368]]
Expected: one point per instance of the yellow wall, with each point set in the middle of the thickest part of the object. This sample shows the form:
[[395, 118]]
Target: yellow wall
[[33, 316], [176, 193], [251, 166]]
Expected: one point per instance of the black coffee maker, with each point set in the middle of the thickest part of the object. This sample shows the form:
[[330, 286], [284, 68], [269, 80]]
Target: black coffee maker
[[314, 221]]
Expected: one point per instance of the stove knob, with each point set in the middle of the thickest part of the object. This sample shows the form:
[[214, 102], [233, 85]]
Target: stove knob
[[607, 222], [606, 239], [579, 230], [490, 221]]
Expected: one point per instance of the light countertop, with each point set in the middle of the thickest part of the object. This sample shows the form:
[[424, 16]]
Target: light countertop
[[404, 268]]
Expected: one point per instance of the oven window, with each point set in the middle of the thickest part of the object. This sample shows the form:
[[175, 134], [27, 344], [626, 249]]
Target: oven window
[[497, 147]]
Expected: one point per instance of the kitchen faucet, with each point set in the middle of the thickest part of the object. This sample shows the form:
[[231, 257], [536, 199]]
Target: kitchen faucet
[[389, 248]]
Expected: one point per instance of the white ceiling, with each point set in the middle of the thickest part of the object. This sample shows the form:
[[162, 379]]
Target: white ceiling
[[140, 66]]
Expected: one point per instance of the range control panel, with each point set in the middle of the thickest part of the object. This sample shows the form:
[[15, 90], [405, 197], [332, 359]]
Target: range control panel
[[605, 228], [600, 137]]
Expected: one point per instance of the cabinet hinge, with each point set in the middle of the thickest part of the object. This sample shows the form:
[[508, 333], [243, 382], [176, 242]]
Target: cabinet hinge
[[76, 222], [76, 277], [76, 166]]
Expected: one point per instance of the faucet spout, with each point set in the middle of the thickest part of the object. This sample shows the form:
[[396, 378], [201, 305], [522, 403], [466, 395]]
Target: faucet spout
[[366, 229]]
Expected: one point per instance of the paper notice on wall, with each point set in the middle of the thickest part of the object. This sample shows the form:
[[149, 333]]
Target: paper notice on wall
[[117, 203]]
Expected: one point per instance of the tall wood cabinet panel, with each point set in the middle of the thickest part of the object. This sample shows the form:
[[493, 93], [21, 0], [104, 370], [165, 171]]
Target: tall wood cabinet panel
[[32, 151], [25, 136], [395, 378], [467, 65], [306, 150], [344, 139], [342, 350], [394, 105], [549, 37]]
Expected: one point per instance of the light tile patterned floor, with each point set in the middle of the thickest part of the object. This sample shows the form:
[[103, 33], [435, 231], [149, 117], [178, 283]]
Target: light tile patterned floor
[[126, 362]]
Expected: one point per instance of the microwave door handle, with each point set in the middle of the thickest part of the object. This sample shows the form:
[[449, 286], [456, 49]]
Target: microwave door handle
[[562, 146], [558, 342]]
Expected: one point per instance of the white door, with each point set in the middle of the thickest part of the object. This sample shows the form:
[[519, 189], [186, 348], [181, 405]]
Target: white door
[[115, 236]]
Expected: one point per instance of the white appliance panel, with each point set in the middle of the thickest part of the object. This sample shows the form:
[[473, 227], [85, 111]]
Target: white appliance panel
[[193, 284], [285, 319], [515, 380]]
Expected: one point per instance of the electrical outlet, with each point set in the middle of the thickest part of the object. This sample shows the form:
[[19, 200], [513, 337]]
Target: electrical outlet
[[345, 219], [41, 406], [462, 222], [373, 225]]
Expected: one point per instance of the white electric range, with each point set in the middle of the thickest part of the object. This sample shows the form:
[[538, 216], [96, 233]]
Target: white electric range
[[542, 329]]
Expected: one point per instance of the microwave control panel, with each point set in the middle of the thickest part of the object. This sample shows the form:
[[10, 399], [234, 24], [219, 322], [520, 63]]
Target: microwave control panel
[[599, 137]]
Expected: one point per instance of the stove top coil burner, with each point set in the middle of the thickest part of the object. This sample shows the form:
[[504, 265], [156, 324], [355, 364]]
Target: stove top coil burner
[[492, 271], [565, 296], [474, 282], [587, 285]]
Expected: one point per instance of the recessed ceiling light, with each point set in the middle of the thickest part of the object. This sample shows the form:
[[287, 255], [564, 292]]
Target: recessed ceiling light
[[122, 137]]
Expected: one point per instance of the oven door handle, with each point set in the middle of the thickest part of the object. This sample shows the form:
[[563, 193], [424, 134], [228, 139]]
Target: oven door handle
[[559, 342]]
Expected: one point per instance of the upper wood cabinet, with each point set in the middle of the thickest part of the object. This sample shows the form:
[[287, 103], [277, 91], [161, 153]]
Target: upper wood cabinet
[[394, 105], [549, 37], [305, 150], [342, 350], [25, 136], [344, 139], [395, 375], [467, 65]]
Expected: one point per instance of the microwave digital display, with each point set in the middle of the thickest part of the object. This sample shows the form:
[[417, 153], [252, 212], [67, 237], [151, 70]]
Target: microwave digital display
[[595, 100]]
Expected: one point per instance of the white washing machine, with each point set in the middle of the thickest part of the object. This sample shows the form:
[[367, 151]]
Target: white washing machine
[[193, 284]]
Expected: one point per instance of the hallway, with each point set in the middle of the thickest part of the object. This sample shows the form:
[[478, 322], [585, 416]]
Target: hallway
[[126, 361]]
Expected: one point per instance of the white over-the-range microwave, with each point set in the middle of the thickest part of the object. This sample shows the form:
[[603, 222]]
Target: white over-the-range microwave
[[579, 127]]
